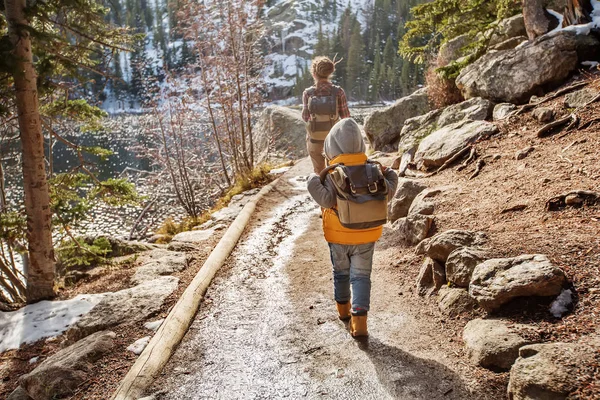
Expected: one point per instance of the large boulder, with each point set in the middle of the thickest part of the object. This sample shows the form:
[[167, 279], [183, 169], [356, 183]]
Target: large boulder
[[127, 306], [61, 374], [412, 229], [406, 192], [475, 109], [493, 343], [514, 75], [461, 263], [452, 50], [497, 281], [455, 301], [418, 128], [550, 371], [441, 145], [383, 126], [281, 131], [441, 245]]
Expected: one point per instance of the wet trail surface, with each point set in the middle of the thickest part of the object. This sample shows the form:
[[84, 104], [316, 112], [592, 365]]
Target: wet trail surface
[[268, 328]]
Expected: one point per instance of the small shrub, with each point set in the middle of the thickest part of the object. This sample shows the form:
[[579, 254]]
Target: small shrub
[[442, 91], [76, 254]]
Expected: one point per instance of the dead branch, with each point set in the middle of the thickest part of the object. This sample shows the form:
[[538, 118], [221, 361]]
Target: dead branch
[[139, 218], [588, 123], [450, 161], [480, 165], [558, 123]]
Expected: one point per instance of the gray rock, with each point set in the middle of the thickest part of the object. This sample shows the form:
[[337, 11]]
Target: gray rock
[[509, 28], [120, 247], [454, 301], [19, 394], [514, 75], [441, 245], [543, 114], [406, 192], [164, 263], [475, 109], [383, 126], [439, 275], [416, 129], [183, 247], [413, 229], [550, 370], [194, 236], [437, 148], [509, 44], [503, 111], [282, 130], [61, 374], [521, 154], [127, 306], [461, 263], [424, 202], [452, 50], [497, 281], [491, 344], [580, 97], [425, 284]]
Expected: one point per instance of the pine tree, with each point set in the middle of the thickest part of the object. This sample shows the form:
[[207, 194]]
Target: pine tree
[[374, 81], [356, 63]]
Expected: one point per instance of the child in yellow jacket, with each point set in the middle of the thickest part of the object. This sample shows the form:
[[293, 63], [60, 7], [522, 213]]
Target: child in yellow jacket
[[351, 249]]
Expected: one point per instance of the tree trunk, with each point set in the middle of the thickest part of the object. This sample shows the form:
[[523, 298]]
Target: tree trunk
[[40, 275], [578, 12], [537, 19]]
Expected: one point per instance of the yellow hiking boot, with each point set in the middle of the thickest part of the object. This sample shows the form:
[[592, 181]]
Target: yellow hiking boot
[[343, 310], [358, 325]]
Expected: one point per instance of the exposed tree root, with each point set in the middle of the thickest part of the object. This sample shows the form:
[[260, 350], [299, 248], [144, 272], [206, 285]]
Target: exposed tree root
[[551, 96], [575, 198], [451, 160], [544, 131], [472, 156], [478, 168]]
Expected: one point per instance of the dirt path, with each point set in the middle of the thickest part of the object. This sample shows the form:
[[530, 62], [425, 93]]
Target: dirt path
[[268, 327]]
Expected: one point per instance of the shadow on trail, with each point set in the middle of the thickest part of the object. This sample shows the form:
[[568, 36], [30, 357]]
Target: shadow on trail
[[405, 376]]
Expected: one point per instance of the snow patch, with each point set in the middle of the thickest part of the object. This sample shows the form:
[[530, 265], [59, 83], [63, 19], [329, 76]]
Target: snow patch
[[139, 345], [560, 305], [154, 325], [46, 319]]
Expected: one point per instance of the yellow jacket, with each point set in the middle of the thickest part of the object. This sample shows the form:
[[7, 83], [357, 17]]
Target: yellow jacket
[[332, 228]]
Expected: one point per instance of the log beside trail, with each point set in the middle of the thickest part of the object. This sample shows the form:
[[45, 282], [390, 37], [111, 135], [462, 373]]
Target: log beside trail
[[162, 345]]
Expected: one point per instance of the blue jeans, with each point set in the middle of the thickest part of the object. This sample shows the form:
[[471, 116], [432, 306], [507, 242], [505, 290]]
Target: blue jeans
[[352, 265]]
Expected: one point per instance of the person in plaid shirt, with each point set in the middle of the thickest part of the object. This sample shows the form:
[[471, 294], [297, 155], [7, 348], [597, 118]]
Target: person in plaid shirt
[[321, 69]]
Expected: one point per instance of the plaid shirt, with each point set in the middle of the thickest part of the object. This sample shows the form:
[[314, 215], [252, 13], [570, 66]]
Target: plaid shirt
[[324, 88]]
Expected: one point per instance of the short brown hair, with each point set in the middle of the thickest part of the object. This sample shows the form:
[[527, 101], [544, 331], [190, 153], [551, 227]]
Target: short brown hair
[[322, 67]]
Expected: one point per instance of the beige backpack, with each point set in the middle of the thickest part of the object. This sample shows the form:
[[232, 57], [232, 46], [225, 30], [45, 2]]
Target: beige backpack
[[324, 113], [361, 194]]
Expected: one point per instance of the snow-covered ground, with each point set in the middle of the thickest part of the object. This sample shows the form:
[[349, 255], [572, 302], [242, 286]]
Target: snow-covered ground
[[46, 319]]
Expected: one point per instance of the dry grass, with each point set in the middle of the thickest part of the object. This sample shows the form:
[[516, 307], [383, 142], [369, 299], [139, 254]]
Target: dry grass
[[258, 177], [442, 92]]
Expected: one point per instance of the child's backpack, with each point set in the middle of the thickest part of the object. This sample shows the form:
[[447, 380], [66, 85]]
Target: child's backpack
[[324, 113], [361, 194]]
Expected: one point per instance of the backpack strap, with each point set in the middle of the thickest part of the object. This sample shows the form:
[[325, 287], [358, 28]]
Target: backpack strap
[[324, 173]]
